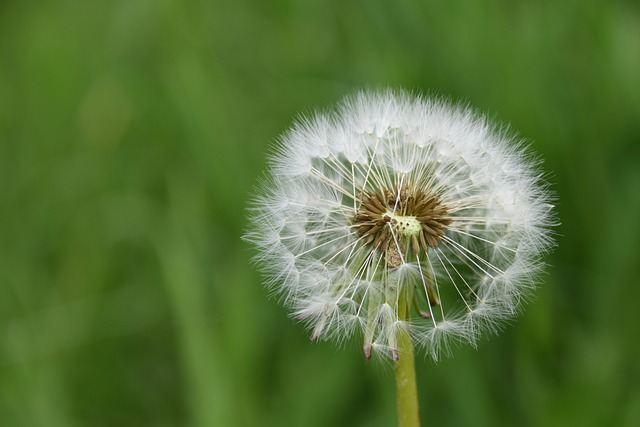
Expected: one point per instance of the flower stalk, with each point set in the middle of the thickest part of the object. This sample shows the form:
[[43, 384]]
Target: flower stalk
[[406, 388]]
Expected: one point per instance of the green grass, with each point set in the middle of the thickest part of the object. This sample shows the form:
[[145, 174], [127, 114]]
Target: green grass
[[132, 131]]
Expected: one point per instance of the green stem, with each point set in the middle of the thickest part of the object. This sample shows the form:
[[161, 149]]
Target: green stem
[[406, 389]]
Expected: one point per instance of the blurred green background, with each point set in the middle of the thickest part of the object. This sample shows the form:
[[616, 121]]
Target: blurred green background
[[132, 131]]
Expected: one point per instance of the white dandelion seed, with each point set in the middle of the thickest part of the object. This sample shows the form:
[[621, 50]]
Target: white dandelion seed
[[399, 214]]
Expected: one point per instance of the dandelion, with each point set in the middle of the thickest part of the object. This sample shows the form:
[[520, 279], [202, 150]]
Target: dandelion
[[403, 219]]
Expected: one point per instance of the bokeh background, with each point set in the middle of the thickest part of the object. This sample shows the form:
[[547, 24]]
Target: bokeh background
[[131, 132]]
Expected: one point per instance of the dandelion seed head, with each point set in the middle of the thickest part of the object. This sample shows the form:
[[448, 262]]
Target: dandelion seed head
[[401, 214]]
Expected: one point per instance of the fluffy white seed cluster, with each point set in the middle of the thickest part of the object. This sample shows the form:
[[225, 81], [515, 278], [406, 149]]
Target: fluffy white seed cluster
[[400, 214]]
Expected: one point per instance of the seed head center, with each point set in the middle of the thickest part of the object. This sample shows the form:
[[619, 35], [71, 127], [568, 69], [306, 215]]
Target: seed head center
[[398, 221], [405, 225]]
